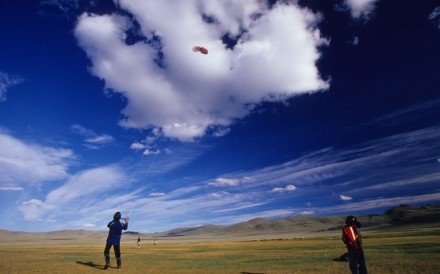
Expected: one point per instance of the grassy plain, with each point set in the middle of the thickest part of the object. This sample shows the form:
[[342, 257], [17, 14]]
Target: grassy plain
[[403, 251]]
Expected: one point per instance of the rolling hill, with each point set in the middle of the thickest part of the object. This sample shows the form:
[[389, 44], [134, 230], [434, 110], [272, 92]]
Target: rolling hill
[[400, 217], [396, 217]]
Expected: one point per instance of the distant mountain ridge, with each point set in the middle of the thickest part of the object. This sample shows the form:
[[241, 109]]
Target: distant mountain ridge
[[410, 214], [402, 215]]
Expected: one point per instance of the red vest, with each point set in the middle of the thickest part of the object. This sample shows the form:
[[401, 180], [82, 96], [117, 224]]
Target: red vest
[[351, 237]]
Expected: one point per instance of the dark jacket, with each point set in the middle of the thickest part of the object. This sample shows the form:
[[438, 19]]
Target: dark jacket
[[115, 232]]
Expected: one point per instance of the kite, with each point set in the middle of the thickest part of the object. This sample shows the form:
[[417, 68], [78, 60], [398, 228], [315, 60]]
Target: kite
[[200, 49]]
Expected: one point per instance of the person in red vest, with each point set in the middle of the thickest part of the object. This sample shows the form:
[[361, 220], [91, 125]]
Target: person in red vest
[[352, 239]]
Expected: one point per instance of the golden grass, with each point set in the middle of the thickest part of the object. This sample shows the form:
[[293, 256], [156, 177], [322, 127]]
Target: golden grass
[[391, 252]]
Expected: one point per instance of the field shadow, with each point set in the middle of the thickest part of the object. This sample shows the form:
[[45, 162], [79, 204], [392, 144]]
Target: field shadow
[[92, 264], [342, 258]]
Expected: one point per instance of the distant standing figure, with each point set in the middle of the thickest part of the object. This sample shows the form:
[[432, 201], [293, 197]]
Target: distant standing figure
[[352, 239], [138, 243], [154, 242], [114, 239]]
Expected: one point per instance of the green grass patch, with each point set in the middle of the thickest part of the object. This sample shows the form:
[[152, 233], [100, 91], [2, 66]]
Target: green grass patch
[[390, 252]]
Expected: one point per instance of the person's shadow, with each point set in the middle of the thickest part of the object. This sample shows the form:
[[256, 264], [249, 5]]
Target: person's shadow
[[92, 264], [342, 258]]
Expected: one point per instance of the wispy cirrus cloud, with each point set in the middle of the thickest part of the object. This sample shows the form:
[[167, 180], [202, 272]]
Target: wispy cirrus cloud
[[338, 166], [92, 139], [229, 182], [23, 163], [316, 175], [434, 16], [341, 170], [378, 203], [78, 191], [10, 188], [218, 182], [429, 177], [157, 194], [86, 183], [7, 81], [408, 114], [269, 214]]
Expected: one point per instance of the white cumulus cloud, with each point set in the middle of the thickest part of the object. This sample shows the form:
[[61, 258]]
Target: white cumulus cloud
[[271, 56], [360, 8], [345, 198], [137, 146], [284, 189], [222, 182]]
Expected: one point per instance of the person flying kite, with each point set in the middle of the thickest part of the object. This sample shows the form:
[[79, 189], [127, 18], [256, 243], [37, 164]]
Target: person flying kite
[[114, 239]]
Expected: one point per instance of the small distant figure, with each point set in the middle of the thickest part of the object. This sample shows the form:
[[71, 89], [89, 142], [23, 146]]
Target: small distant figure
[[114, 239], [138, 243], [351, 236], [154, 242]]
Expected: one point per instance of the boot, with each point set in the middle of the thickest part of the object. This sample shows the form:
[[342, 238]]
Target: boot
[[107, 262], [119, 263]]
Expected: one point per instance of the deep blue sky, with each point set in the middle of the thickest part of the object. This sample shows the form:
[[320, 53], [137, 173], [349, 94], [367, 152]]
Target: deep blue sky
[[300, 107]]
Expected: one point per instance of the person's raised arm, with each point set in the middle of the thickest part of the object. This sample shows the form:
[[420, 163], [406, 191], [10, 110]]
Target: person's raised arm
[[125, 226]]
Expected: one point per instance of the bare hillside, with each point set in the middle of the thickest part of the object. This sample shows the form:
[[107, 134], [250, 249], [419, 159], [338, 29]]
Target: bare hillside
[[401, 217]]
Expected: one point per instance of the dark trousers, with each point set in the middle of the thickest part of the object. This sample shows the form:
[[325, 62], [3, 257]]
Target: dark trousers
[[116, 248], [357, 262]]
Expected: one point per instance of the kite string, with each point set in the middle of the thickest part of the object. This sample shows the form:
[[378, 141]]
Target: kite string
[[136, 169], [154, 161], [133, 175], [149, 168]]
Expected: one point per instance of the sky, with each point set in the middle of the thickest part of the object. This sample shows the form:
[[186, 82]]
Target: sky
[[300, 107]]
